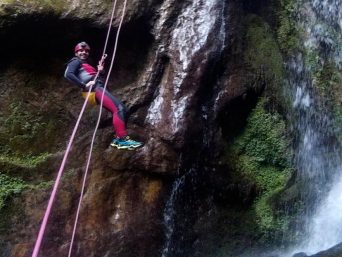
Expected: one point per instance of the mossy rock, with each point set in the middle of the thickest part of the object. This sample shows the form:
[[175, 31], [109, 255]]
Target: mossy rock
[[26, 132], [12, 7], [288, 33], [260, 155], [327, 81], [9, 186], [264, 59], [262, 52]]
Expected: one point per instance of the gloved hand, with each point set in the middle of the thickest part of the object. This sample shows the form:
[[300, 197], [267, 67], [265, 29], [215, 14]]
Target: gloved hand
[[100, 67], [90, 83]]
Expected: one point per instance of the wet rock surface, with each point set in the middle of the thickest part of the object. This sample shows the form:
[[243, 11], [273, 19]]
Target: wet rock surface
[[335, 251], [175, 72]]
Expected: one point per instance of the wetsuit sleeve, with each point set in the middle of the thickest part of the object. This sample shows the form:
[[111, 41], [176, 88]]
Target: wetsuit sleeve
[[71, 73]]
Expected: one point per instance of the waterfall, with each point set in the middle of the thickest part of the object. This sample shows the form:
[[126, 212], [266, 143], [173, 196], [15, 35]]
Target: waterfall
[[326, 227], [318, 152], [169, 214], [315, 158], [194, 50], [318, 164]]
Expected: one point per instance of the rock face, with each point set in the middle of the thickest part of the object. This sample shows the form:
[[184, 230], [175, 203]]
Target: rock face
[[176, 70], [335, 251]]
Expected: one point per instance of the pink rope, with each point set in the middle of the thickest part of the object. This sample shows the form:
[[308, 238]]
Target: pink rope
[[60, 172], [96, 128], [109, 28], [66, 154]]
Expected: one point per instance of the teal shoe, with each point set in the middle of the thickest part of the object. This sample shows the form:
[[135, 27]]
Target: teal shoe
[[125, 143]]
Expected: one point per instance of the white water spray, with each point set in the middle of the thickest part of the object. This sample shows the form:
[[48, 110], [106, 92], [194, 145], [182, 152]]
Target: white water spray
[[318, 163], [169, 215], [326, 226]]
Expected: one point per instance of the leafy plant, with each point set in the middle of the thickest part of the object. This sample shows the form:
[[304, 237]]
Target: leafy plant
[[8, 187], [26, 132], [260, 156]]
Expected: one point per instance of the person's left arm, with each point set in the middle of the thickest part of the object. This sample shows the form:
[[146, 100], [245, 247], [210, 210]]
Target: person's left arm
[[71, 73]]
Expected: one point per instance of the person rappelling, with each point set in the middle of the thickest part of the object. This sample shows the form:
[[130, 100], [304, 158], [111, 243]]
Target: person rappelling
[[83, 75]]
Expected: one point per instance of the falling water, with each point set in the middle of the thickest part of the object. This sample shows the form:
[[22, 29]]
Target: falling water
[[188, 201], [169, 214], [318, 157], [326, 227], [191, 41], [318, 164]]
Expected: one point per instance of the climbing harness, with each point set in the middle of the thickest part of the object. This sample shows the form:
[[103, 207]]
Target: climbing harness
[[61, 169], [92, 98]]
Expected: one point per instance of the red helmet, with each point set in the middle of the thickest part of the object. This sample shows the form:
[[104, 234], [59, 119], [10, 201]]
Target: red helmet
[[82, 45]]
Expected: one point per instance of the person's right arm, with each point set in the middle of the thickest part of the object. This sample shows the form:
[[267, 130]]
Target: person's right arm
[[71, 71]]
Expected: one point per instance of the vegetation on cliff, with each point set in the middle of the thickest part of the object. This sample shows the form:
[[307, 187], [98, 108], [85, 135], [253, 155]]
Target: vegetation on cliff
[[262, 53], [25, 131], [260, 157], [288, 33], [9, 187], [257, 158]]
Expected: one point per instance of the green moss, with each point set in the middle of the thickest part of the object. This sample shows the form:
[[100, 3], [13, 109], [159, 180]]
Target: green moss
[[327, 80], [260, 156], [6, 2], [338, 121], [262, 52], [39, 5], [312, 60], [26, 132], [288, 33], [42, 185], [51, 6], [24, 162], [263, 59], [56, 6], [9, 187], [271, 223], [263, 139]]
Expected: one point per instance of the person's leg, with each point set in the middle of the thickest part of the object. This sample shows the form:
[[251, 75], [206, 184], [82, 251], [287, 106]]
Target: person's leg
[[117, 109]]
